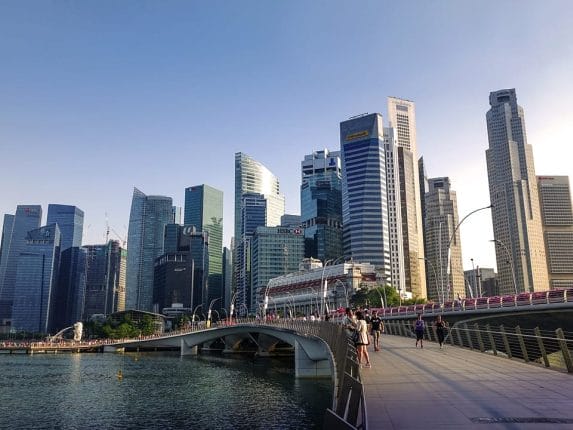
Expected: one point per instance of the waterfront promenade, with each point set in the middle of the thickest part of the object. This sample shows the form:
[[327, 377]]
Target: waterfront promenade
[[455, 388]]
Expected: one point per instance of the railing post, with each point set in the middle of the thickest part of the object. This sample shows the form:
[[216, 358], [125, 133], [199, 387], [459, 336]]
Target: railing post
[[460, 341], [469, 337], [505, 341], [565, 350], [541, 346], [521, 344], [480, 340], [491, 339]]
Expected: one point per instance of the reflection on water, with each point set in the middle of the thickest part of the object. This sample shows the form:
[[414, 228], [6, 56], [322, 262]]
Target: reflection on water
[[77, 391]]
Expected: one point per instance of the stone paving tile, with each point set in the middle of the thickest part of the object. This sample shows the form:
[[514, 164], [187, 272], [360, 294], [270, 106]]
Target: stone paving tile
[[450, 387]]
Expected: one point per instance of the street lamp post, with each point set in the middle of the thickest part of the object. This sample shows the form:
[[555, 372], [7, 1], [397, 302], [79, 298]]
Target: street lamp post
[[232, 306], [338, 281], [324, 282], [194, 312], [448, 267], [509, 260], [209, 311], [435, 277]]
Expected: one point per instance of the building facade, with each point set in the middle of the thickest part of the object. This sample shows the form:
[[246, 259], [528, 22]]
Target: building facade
[[402, 119], [557, 219], [513, 192], [446, 281], [321, 204], [36, 279], [204, 210], [70, 220], [481, 282], [258, 202], [366, 236], [26, 219], [147, 220], [71, 289], [275, 251]]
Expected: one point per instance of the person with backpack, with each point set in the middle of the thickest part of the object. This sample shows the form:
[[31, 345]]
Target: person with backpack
[[419, 326]]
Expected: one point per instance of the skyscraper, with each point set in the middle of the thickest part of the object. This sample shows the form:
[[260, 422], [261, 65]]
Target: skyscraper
[[204, 210], [513, 192], [402, 118], [27, 218], [557, 218], [441, 220], [36, 278], [70, 294], [70, 220], [366, 236], [147, 220], [252, 178], [321, 204]]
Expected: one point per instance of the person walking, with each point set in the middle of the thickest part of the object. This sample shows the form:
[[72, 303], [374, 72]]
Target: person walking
[[377, 328], [363, 340], [419, 326], [441, 326]]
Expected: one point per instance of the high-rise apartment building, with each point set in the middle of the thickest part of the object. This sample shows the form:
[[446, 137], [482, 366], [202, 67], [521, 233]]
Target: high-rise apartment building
[[513, 192], [36, 279], [366, 236], [446, 282], [70, 220], [258, 202], [147, 220], [204, 210], [557, 219], [402, 118], [26, 219], [321, 204]]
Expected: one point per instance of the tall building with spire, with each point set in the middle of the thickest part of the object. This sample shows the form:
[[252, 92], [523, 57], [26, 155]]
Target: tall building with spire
[[513, 192], [147, 220], [402, 118]]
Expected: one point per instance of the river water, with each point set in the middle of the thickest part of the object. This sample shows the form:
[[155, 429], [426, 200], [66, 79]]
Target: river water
[[157, 391]]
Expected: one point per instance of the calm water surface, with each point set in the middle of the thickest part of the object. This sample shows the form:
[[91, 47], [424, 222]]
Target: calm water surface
[[158, 391]]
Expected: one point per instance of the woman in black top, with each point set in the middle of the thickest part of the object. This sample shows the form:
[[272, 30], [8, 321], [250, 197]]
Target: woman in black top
[[440, 325]]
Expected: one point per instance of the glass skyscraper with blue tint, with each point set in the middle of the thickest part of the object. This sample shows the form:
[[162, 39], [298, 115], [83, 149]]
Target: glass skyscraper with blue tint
[[204, 210], [321, 204], [366, 235], [71, 290], [147, 220], [36, 277], [70, 220], [27, 218]]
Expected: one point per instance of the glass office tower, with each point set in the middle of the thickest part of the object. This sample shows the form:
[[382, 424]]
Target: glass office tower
[[70, 220], [204, 210], [27, 218], [148, 218], [366, 236], [321, 204], [36, 278]]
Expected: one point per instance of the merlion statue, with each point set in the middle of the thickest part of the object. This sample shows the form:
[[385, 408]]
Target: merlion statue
[[78, 329]]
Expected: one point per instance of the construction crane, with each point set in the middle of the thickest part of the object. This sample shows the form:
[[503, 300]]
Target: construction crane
[[123, 239]]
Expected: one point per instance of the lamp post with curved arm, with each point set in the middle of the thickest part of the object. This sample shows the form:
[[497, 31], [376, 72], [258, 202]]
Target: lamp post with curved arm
[[324, 282], [232, 306], [338, 281], [194, 312], [435, 277], [509, 260], [209, 311], [448, 267]]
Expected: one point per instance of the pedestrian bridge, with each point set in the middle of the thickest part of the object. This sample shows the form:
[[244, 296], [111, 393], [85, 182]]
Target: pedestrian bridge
[[313, 357]]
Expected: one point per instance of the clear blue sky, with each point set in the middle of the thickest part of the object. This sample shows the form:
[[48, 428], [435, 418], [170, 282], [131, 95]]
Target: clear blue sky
[[97, 97]]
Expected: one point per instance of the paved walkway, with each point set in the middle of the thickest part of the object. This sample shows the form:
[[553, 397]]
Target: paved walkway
[[413, 388]]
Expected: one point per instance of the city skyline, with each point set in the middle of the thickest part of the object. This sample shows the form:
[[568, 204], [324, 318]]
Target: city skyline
[[108, 106]]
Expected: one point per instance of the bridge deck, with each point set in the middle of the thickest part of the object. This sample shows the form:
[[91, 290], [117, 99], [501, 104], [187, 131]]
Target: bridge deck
[[410, 388]]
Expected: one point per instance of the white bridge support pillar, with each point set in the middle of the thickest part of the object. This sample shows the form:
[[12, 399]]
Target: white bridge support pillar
[[186, 349], [305, 367], [111, 348]]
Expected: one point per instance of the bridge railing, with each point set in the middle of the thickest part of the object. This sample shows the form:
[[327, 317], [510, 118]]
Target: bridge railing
[[543, 347], [349, 405], [510, 301]]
